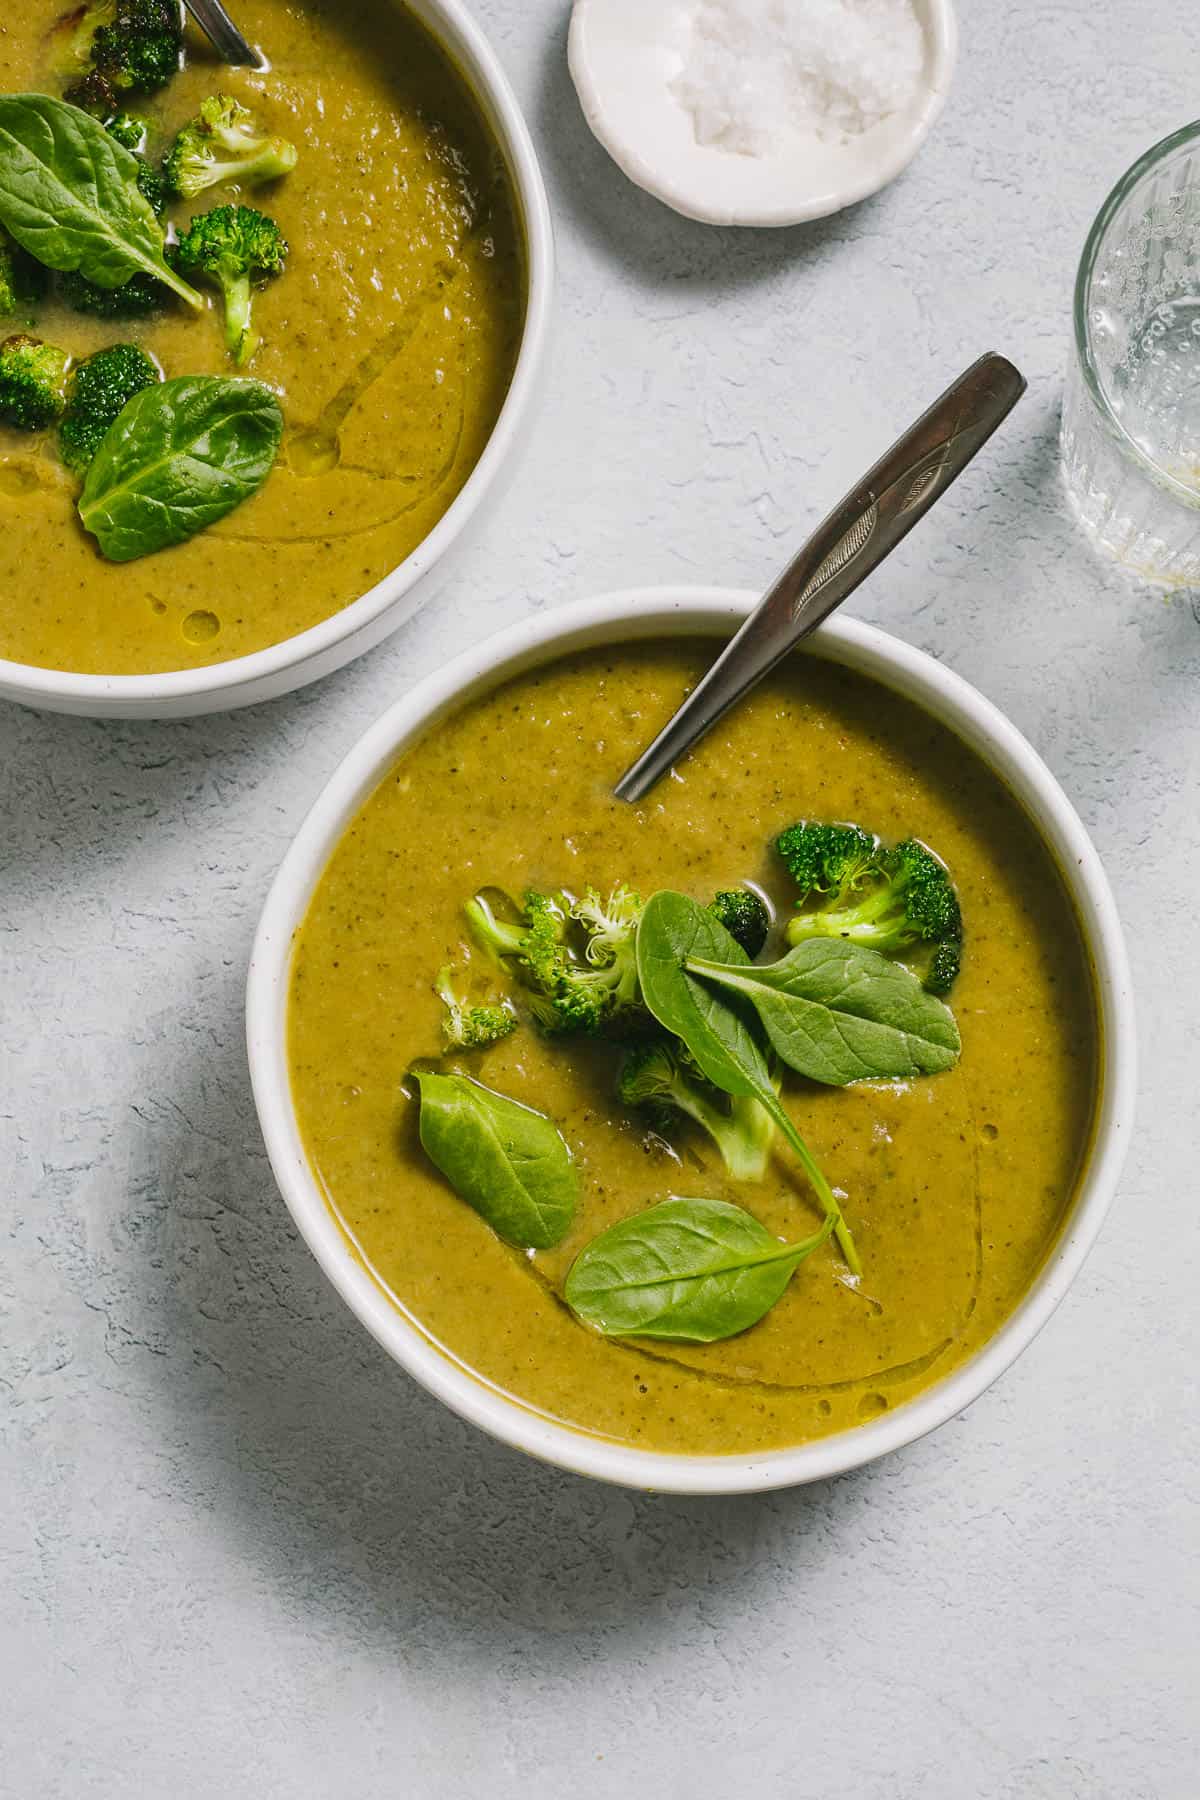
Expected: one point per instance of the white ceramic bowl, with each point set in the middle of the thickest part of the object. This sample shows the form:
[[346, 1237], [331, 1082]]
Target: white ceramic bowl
[[622, 64], [369, 619], [625, 618]]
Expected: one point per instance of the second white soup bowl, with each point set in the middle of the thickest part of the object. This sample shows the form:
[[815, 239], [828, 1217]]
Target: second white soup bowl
[[366, 621]]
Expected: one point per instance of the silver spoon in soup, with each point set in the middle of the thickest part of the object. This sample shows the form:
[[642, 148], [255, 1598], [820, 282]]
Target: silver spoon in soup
[[841, 553], [220, 29]]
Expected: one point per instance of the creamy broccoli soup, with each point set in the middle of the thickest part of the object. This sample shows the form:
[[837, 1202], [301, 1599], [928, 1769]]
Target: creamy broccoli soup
[[530, 1161], [384, 333]]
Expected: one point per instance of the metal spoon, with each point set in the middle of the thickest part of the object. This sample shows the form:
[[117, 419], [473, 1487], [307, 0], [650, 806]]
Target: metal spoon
[[842, 551], [217, 25]]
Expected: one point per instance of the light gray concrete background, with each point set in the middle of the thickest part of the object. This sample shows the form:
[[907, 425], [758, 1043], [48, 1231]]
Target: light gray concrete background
[[241, 1553]]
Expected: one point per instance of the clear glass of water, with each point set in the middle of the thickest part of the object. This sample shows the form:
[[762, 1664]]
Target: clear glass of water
[[1131, 410]]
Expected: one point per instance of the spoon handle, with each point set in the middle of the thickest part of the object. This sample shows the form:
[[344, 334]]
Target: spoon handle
[[843, 550], [220, 29]]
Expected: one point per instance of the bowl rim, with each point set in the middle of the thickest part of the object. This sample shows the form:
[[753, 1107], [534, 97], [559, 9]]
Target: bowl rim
[[454, 30], [627, 617], [943, 38]]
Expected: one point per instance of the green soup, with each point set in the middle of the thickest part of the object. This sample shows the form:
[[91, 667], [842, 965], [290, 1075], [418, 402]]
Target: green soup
[[390, 339], [955, 1185]]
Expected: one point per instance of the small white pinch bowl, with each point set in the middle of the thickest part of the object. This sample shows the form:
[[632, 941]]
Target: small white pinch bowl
[[623, 619], [366, 621], [622, 69]]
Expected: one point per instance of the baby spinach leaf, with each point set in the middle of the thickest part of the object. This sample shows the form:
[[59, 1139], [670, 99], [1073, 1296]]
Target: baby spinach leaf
[[69, 195], [507, 1161], [178, 457], [691, 1270], [717, 1027], [839, 1012]]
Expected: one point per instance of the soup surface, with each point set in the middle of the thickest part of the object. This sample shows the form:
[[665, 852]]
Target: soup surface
[[390, 340], [954, 1185]]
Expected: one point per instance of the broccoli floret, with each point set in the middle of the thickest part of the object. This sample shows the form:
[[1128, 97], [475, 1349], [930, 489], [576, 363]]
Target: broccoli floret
[[130, 132], [22, 280], [232, 245], [224, 143], [828, 859], [471, 1027], [136, 298], [100, 388], [889, 900], [932, 914], [568, 992], [33, 382], [611, 947], [656, 1079], [153, 188], [944, 965], [536, 942], [537, 945], [744, 917], [128, 46]]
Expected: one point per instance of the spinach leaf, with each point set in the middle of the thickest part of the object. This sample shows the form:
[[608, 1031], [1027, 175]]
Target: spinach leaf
[[839, 1012], [178, 457], [69, 195], [507, 1161], [691, 1270], [717, 1027]]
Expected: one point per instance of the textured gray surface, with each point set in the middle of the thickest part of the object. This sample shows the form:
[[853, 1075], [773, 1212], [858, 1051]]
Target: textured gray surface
[[241, 1554]]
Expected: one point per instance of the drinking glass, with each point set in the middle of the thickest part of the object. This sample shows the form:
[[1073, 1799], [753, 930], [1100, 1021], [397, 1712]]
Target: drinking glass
[[1131, 409]]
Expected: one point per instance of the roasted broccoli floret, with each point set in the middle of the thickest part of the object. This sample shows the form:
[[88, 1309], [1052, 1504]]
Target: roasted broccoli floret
[[744, 917], [129, 131], [468, 1027], [233, 246], [569, 991], [100, 388], [93, 93], [33, 382], [889, 900], [22, 280], [126, 46], [224, 143], [658, 1079]]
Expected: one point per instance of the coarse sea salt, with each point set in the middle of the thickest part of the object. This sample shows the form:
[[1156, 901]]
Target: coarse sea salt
[[757, 75]]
